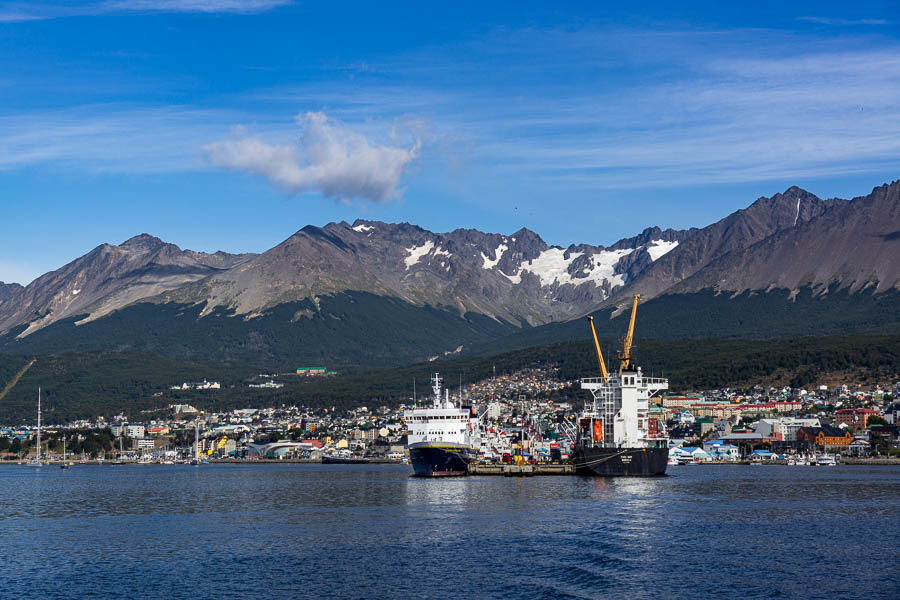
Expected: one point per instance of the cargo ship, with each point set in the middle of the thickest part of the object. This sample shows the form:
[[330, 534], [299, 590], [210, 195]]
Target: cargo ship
[[616, 436], [442, 439]]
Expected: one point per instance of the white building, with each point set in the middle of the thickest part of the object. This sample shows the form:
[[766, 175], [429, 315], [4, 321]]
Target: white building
[[786, 427], [143, 443], [128, 430]]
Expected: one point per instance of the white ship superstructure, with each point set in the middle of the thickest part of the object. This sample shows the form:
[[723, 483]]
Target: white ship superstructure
[[621, 405], [444, 421]]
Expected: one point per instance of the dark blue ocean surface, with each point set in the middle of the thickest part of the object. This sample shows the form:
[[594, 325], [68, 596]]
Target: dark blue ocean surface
[[359, 531]]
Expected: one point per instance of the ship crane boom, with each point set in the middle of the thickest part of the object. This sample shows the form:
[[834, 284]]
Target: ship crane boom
[[625, 355], [600, 362]]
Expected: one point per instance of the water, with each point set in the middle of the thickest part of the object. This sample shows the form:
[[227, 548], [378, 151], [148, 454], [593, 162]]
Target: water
[[359, 531]]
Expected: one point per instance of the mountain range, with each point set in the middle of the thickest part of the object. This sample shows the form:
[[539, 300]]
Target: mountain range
[[373, 294]]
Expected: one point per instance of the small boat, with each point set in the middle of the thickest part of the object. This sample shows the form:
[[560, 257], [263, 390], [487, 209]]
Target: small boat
[[826, 460]]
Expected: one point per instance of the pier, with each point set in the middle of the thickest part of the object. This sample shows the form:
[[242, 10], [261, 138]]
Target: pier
[[526, 470]]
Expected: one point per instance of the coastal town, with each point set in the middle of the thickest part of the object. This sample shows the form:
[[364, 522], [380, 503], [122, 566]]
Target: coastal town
[[532, 410]]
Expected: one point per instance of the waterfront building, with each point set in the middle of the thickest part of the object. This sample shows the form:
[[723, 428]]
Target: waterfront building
[[859, 448], [143, 443], [784, 428], [720, 450], [826, 437]]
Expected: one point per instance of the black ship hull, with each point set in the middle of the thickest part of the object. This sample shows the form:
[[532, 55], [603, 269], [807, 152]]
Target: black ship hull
[[620, 462], [439, 461]]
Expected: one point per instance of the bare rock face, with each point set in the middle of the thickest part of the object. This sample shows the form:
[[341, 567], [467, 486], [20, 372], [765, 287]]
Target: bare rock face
[[9, 291], [107, 278], [837, 244], [739, 230]]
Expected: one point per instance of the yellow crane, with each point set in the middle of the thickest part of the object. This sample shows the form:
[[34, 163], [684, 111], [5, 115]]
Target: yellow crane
[[600, 361], [625, 356]]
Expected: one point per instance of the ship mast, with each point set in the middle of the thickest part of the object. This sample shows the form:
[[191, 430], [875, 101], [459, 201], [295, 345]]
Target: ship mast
[[38, 459], [436, 388]]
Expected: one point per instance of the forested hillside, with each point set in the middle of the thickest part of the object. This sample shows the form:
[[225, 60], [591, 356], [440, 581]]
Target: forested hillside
[[80, 385]]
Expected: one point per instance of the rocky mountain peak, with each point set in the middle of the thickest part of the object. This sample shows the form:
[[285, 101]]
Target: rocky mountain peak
[[9, 290], [143, 241]]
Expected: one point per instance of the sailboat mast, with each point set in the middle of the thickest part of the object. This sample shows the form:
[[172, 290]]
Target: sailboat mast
[[39, 426]]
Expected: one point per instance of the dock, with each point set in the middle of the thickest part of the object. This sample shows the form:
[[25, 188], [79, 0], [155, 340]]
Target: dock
[[527, 470]]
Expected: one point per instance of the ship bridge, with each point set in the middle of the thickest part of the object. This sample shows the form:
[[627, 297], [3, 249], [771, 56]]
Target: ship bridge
[[621, 404], [628, 379]]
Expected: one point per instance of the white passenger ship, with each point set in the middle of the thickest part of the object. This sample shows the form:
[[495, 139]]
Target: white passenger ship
[[442, 439]]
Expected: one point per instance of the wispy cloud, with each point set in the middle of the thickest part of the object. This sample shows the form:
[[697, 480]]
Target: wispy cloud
[[110, 138], [848, 22], [12, 12], [330, 159], [200, 6]]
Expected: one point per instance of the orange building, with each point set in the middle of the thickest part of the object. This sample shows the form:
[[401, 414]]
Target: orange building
[[825, 437]]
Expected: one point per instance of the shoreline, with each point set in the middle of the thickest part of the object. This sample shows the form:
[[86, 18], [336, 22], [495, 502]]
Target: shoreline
[[273, 461]]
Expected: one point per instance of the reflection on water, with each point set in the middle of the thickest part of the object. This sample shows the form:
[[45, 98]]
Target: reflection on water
[[374, 532]]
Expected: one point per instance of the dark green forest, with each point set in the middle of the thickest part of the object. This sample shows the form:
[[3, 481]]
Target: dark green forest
[[355, 331], [706, 315], [87, 384]]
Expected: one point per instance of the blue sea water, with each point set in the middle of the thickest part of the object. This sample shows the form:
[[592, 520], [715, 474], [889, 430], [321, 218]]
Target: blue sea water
[[361, 531]]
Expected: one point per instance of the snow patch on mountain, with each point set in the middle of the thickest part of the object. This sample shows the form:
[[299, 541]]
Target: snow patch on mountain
[[659, 248], [362, 228], [604, 267], [417, 252], [488, 263], [551, 266]]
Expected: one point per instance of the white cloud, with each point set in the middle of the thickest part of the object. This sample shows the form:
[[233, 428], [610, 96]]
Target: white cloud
[[330, 159]]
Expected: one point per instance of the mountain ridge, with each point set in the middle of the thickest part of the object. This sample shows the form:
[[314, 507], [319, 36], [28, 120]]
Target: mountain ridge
[[317, 284]]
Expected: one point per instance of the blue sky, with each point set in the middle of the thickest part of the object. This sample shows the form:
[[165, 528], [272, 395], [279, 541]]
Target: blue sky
[[221, 124]]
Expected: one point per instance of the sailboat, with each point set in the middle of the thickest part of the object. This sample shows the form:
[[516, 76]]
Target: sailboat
[[36, 462], [64, 464]]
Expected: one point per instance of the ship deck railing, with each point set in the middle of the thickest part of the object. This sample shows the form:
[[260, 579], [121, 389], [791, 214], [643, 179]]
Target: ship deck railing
[[644, 381]]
